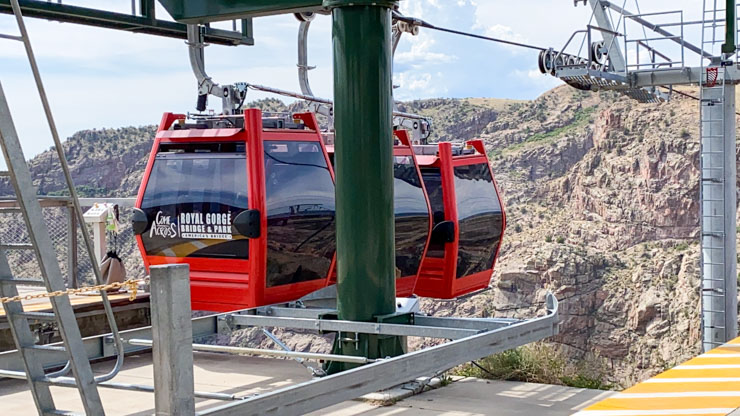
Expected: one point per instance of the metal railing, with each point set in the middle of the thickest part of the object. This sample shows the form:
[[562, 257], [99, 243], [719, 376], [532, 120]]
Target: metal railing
[[639, 44], [66, 236]]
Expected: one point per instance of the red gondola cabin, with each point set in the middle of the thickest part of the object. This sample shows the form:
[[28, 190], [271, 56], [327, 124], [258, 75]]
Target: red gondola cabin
[[469, 221], [247, 202], [412, 215]]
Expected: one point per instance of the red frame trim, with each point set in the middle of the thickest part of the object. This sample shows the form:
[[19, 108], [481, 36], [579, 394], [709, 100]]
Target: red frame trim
[[405, 285], [438, 278], [224, 285]]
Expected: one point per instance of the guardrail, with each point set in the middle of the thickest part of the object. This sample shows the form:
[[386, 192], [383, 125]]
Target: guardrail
[[65, 234]]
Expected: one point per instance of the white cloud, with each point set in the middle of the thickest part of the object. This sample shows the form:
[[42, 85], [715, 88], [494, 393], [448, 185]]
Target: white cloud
[[504, 32], [422, 53], [413, 85], [535, 77]]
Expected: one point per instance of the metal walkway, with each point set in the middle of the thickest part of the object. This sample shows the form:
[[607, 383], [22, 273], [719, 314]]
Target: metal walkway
[[707, 385]]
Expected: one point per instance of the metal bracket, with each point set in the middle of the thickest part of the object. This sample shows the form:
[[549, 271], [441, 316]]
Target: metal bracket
[[420, 127], [232, 96], [224, 324]]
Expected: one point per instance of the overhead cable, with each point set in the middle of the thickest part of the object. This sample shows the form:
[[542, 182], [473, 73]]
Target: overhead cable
[[688, 96], [427, 25]]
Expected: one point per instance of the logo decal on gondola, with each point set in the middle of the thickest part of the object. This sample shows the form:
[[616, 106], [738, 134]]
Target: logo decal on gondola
[[163, 227], [210, 226]]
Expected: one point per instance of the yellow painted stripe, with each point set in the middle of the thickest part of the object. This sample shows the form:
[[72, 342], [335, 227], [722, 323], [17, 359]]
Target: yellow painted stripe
[[723, 350], [669, 403], [684, 386], [686, 412], [705, 385], [716, 359], [719, 358], [701, 373], [695, 393]]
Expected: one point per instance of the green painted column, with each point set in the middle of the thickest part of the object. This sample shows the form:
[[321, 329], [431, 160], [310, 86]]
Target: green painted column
[[729, 46], [364, 170]]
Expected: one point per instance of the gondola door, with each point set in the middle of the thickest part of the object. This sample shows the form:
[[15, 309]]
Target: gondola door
[[413, 222], [194, 188], [299, 207], [469, 222]]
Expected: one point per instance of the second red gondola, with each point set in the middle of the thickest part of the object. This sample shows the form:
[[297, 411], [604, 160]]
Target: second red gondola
[[469, 221]]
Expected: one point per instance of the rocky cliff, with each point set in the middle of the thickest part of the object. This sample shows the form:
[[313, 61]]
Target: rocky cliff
[[602, 202]]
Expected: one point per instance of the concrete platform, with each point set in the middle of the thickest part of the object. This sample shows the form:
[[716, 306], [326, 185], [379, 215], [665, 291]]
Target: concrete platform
[[250, 375]]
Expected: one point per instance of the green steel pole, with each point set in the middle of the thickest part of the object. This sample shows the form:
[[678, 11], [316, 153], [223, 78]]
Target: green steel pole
[[729, 46], [364, 160], [364, 167]]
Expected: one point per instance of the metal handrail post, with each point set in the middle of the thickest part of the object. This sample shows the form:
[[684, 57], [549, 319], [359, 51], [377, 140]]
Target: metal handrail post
[[172, 338]]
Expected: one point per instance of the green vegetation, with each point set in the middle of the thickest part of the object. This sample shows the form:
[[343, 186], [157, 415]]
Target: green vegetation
[[685, 134], [548, 239], [538, 363], [561, 240], [580, 119], [84, 191], [681, 246], [445, 380]]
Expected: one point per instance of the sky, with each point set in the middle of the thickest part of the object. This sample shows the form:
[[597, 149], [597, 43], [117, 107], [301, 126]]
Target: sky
[[102, 78]]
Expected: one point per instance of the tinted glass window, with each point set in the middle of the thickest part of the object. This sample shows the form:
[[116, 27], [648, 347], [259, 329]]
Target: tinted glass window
[[433, 183], [480, 219], [300, 212], [191, 199], [412, 216]]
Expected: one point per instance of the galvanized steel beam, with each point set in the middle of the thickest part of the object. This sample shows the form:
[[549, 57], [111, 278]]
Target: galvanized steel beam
[[205, 11], [320, 393], [172, 348], [131, 23], [327, 325]]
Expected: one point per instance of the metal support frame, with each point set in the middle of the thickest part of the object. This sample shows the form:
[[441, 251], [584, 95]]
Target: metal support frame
[[729, 47], [419, 126], [172, 335], [718, 209], [188, 11], [655, 28], [432, 328], [499, 333], [320, 393], [610, 40], [366, 287], [146, 23], [72, 262], [73, 199], [232, 96], [264, 352], [302, 65]]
